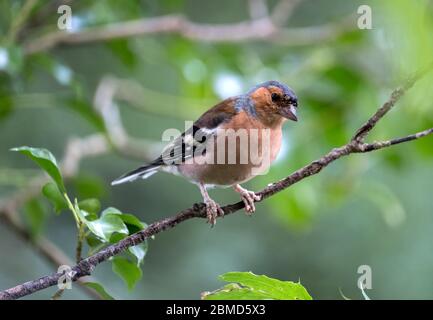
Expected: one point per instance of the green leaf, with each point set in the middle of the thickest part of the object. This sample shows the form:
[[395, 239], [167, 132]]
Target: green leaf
[[139, 252], [116, 237], [110, 210], [92, 206], [247, 285], [233, 291], [35, 216], [99, 289], [93, 241], [132, 222], [134, 225], [46, 161], [105, 226], [127, 271], [95, 244], [52, 193]]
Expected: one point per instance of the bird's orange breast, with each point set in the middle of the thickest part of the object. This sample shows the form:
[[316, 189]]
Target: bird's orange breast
[[240, 150]]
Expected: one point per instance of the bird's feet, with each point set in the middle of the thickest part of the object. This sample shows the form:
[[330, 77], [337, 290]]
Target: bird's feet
[[213, 210], [248, 197]]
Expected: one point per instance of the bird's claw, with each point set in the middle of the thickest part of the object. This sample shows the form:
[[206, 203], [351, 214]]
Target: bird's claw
[[249, 197], [213, 210]]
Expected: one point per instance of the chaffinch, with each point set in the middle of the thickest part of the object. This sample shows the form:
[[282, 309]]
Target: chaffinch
[[218, 149]]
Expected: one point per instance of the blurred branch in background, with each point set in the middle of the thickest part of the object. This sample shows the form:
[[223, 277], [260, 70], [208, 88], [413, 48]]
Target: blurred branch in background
[[76, 150], [20, 19], [356, 144], [261, 26], [258, 9], [128, 146], [283, 11]]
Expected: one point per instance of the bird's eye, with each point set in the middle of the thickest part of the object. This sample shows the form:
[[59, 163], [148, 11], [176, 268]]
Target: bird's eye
[[293, 102], [275, 97]]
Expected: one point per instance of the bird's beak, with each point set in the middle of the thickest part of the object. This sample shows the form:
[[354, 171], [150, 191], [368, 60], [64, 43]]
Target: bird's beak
[[289, 113]]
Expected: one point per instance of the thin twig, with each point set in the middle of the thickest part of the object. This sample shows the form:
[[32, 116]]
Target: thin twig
[[80, 239], [362, 132], [381, 144], [355, 145]]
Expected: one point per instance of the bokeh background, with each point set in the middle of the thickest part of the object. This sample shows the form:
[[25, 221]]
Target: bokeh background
[[371, 209]]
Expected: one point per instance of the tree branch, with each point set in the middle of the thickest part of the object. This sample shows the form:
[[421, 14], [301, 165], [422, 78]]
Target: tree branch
[[103, 102], [356, 145], [257, 29], [362, 132]]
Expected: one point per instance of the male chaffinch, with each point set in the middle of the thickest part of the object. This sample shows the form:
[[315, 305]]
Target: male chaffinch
[[202, 153]]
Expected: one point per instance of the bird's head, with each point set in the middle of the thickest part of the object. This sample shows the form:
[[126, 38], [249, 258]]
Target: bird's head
[[274, 100]]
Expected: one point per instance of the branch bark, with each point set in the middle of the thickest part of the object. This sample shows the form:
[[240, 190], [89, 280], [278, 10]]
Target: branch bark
[[46, 249], [356, 145]]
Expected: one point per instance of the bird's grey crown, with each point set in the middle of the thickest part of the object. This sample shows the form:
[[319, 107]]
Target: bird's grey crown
[[244, 102], [287, 91]]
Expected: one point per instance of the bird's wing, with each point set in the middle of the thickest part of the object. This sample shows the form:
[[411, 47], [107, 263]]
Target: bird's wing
[[192, 141]]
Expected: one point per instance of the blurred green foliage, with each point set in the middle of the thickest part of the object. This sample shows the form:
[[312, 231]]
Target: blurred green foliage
[[369, 209]]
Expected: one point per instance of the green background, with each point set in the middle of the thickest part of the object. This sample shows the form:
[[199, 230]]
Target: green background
[[368, 209]]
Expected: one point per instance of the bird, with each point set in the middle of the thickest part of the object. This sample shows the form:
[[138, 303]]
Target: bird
[[216, 151]]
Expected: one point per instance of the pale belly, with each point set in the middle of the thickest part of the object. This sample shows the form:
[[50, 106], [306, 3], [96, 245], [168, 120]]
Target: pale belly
[[244, 162]]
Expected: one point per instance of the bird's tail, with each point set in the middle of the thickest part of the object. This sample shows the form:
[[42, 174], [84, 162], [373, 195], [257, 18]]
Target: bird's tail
[[142, 172]]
